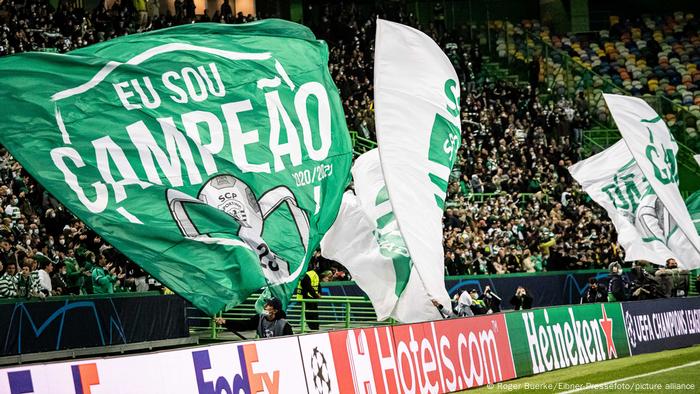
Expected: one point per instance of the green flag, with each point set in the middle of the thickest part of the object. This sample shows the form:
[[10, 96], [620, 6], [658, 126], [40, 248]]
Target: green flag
[[214, 156]]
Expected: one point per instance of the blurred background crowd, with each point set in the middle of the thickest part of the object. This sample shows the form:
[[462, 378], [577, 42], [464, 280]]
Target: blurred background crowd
[[512, 205]]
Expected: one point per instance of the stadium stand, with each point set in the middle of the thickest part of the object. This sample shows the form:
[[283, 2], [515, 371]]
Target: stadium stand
[[513, 206], [652, 56]]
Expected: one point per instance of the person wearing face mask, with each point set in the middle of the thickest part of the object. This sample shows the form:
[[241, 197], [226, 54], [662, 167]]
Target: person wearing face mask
[[27, 242], [52, 222], [60, 244], [19, 229], [270, 323]]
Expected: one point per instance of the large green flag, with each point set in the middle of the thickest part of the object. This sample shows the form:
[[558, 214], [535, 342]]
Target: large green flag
[[214, 156]]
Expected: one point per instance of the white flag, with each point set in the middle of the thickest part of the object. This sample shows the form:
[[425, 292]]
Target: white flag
[[616, 183], [646, 229], [365, 238], [416, 92], [654, 150]]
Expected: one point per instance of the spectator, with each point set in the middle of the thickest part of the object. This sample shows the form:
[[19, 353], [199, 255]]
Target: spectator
[[189, 8], [104, 277], [28, 284], [492, 301], [45, 277], [270, 323], [8, 281], [141, 7], [59, 281], [226, 11], [596, 292], [309, 288], [528, 262], [75, 274], [464, 303], [521, 299]]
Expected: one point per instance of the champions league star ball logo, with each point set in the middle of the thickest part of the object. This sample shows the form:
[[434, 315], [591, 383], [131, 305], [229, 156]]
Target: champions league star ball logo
[[233, 196], [321, 376]]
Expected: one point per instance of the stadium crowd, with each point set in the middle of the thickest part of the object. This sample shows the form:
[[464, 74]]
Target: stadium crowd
[[653, 56], [534, 217], [514, 147]]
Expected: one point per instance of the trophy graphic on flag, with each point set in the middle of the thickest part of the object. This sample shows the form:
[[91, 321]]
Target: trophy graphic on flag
[[234, 197]]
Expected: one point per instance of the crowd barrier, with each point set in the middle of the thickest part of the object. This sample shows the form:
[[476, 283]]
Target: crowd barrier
[[60, 323], [436, 357]]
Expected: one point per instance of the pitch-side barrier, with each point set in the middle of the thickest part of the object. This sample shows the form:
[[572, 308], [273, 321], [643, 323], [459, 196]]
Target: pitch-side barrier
[[440, 356]]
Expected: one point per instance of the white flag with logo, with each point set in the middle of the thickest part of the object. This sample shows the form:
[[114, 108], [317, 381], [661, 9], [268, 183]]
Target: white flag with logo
[[654, 149], [365, 238], [614, 180], [416, 92]]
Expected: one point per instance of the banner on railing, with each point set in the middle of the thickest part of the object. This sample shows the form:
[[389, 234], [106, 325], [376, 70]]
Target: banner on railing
[[271, 366], [547, 339], [83, 322], [450, 355], [436, 357], [656, 325], [319, 366]]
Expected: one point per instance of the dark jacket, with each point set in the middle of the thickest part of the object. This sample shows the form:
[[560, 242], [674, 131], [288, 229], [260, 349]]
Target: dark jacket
[[592, 295], [280, 327], [520, 303]]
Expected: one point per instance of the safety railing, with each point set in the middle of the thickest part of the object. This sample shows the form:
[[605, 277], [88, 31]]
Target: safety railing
[[597, 140], [361, 144], [328, 312], [333, 312], [482, 197]]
